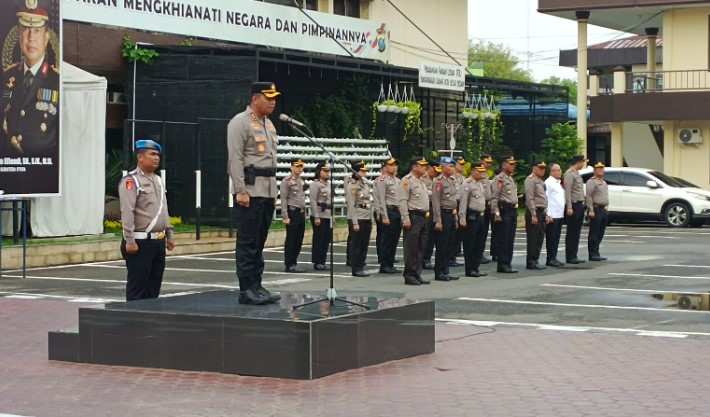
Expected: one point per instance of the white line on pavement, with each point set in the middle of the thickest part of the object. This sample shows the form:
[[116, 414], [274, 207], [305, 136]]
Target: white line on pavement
[[587, 287], [59, 297], [610, 307], [623, 274], [688, 266]]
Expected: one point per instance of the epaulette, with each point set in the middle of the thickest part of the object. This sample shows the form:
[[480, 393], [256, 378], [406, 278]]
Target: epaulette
[[11, 66], [381, 178], [468, 181]]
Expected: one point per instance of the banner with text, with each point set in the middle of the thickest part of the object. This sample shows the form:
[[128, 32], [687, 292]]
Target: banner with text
[[30, 100], [252, 22], [442, 76]]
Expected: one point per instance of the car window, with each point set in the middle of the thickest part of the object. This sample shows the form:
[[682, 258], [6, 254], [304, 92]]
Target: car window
[[667, 179], [612, 178], [586, 177], [632, 179]]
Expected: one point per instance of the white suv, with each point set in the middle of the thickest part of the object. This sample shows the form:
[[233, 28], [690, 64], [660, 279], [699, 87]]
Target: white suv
[[644, 194]]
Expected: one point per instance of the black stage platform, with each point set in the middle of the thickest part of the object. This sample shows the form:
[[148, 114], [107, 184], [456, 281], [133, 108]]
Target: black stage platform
[[211, 332]]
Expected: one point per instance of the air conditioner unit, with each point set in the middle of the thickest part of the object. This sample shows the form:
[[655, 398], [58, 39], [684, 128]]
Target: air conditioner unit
[[688, 135], [689, 301], [116, 98]]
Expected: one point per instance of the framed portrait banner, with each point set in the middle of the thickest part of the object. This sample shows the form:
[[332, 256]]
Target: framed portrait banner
[[30, 35]]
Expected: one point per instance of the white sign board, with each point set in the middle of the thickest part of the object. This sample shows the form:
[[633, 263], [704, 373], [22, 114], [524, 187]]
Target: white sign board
[[442, 76], [251, 22]]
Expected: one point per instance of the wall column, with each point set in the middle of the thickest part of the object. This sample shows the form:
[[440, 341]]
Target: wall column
[[651, 34], [617, 128], [582, 22]]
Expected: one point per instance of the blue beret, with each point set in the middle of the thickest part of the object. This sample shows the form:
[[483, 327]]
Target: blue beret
[[148, 144], [447, 160]]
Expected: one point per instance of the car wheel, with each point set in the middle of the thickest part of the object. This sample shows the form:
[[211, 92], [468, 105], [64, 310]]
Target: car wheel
[[677, 215]]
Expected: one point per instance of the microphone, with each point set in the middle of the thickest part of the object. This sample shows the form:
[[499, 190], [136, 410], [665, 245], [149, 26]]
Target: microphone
[[288, 119]]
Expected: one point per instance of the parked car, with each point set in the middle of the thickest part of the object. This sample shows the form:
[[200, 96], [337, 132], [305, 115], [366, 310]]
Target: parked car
[[644, 194]]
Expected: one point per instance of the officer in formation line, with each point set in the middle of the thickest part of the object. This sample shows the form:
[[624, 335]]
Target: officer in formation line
[[471, 214], [145, 222], [293, 213], [455, 249], [597, 200], [389, 228], [432, 172], [536, 217], [556, 210], [414, 207], [444, 211], [319, 191], [251, 144], [357, 197], [574, 203], [504, 205], [487, 161]]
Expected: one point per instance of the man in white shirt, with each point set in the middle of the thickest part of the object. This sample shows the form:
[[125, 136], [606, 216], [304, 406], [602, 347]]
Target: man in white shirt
[[555, 209]]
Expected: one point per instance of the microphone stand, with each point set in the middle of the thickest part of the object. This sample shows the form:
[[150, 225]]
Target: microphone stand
[[330, 294]]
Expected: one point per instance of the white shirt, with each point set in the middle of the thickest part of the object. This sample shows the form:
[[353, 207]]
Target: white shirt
[[34, 67], [555, 198]]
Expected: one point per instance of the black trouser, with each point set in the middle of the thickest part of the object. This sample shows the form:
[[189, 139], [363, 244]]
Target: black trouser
[[455, 248], [145, 269], [474, 240], [597, 227], [506, 234], [444, 239], [495, 237], [486, 226], [415, 241], [321, 240], [252, 225], [535, 235], [387, 245], [574, 229], [294, 235], [431, 239], [359, 242], [553, 231], [378, 239]]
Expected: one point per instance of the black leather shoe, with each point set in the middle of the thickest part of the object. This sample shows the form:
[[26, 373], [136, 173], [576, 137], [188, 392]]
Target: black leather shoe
[[473, 274], [321, 267], [252, 297], [442, 278], [271, 296], [412, 282], [454, 264], [576, 261], [597, 258], [423, 281], [536, 266], [428, 265], [508, 270], [295, 269], [452, 277], [360, 274], [485, 260], [554, 263], [388, 270]]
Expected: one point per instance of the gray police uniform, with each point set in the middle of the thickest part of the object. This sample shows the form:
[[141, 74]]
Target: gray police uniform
[[487, 192], [251, 144], [145, 221], [535, 206], [574, 199], [386, 190], [597, 199], [293, 208], [443, 200], [458, 239], [319, 192], [504, 203], [471, 213], [414, 206], [357, 197], [429, 251]]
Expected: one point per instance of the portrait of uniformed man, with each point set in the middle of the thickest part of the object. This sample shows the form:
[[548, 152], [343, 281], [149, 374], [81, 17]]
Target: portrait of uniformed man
[[29, 103]]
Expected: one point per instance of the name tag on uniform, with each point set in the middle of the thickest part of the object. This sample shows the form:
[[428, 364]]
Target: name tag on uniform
[[7, 94]]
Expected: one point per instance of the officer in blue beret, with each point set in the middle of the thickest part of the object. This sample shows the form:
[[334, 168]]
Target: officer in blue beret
[[146, 224]]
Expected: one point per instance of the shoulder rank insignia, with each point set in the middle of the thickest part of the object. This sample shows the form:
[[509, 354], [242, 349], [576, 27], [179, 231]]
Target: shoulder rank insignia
[[405, 184], [11, 82], [130, 183]]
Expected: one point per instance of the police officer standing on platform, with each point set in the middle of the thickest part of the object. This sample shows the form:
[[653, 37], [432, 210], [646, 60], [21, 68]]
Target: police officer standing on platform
[[432, 172], [146, 224], [536, 217], [293, 213], [597, 199], [414, 206], [574, 203], [487, 161], [357, 197], [472, 218], [504, 206], [251, 144], [386, 187], [443, 200], [320, 215]]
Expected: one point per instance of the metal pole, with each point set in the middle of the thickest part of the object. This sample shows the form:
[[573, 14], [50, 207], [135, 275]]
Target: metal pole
[[230, 204], [24, 238], [198, 184], [15, 220]]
